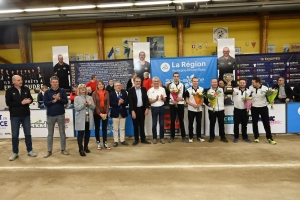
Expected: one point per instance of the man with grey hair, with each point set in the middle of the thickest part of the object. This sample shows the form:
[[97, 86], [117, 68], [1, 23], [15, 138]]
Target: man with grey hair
[[62, 70], [18, 98], [157, 97], [147, 82], [142, 65], [54, 99], [226, 63]]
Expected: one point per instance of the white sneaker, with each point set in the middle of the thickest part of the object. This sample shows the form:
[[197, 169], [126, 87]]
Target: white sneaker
[[13, 157], [200, 139], [99, 146], [32, 153], [191, 140]]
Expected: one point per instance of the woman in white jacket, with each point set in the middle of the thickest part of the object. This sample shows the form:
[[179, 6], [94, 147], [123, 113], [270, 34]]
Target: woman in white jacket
[[84, 119]]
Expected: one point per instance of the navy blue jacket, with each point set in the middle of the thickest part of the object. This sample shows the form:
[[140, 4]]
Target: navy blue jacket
[[57, 108], [116, 110]]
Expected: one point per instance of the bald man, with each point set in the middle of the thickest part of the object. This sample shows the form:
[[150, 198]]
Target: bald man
[[226, 63], [18, 98]]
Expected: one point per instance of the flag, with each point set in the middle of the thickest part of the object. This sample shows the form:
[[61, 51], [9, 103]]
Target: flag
[[111, 54]]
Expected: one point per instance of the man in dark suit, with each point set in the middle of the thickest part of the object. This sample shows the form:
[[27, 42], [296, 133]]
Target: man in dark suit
[[285, 93], [139, 107], [110, 87], [118, 102]]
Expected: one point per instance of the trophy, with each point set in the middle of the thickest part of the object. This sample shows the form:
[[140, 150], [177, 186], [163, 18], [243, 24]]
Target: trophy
[[228, 77]]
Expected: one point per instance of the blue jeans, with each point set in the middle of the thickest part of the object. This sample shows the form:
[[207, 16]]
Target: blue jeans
[[158, 111], [15, 130]]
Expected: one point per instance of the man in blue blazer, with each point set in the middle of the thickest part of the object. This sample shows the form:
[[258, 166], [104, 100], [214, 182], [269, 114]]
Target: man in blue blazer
[[118, 102], [139, 107]]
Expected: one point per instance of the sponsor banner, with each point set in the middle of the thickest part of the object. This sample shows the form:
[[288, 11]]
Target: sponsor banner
[[204, 68], [293, 117], [38, 124], [277, 121], [119, 70], [269, 67]]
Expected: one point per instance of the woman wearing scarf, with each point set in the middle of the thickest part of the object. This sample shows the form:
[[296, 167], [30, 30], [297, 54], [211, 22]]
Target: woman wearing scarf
[[84, 119], [101, 99]]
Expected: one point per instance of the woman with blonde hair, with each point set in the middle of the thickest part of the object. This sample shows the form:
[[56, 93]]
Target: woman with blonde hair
[[101, 99], [84, 119]]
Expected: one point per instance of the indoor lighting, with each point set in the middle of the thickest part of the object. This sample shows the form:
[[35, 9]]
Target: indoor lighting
[[115, 5], [78, 7], [146, 3], [189, 1], [41, 9], [11, 11]]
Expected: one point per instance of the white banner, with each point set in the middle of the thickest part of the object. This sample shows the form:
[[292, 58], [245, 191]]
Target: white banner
[[277, 121], [38, 124]]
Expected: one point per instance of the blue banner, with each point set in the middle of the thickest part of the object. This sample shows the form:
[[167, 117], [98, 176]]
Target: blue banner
[[204, 68], [293, 117], [269, 67]]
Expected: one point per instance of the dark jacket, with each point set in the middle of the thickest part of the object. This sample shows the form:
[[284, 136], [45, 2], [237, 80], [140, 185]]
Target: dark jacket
[[14, 100], [288, 91], [116, 110], [40, 98], [132, 99], [110, 88], [296, 92], [57, 108], [129, 85]]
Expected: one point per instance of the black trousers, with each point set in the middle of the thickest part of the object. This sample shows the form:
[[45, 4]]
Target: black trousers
[[191, 116], [173, 112], [139, 124], [212, 122], [240, 116], [97, 120], [264, 113], [86, 134]]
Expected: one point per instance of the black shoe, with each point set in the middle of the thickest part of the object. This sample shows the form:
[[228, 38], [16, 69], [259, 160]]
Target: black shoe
[[135, 142], [184, 139], [87, 150], [145, 142], [125, 143], [171, 140], [115, 144], [81, 152], [211, 140], [224, 140]]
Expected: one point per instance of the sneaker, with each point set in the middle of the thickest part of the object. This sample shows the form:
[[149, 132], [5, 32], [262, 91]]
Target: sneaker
[[191, 140], [32, 153], [162, 141], [49, 153], [106, 146], [235, 140], [200, 139], [256, 140], [224, 140], [247, 140], [154, 141], [184, 139], [171, 140], [271, 141], [64, 152], [99, 146], [211, 140], [13, 157]]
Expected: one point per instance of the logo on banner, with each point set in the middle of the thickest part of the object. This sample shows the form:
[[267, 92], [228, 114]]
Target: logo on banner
[[3, 121], [228, 119], [165, 67], [299, 110], [272, 120]]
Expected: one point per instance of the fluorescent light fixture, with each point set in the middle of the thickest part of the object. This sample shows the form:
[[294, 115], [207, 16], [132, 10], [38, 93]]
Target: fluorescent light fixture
[[41, 9], [11, 11], [114, 5], [149, 3], [77, 7], [189, 1]]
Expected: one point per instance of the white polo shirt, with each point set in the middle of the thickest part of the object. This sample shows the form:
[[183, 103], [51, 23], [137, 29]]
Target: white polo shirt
[[179, 86], [220, 99], [259, 98], [190, 95], [237, 96], [153, 93]]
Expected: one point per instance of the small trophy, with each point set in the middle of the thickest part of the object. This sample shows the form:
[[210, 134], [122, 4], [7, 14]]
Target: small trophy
[[228, 77]]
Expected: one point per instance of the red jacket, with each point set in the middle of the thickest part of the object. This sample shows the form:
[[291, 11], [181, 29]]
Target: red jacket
[[72, 96], [147, 83], [92, 84]]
